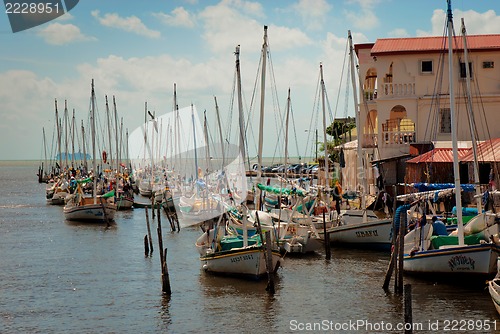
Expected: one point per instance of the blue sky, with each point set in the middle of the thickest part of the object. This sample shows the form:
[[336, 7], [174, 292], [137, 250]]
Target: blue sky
[[136, 51]]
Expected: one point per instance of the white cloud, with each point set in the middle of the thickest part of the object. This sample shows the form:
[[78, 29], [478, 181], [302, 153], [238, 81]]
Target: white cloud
[[248, 7], [363, 18], [313, 12], [475, 23], [225, 27], [397, 33], [59, 34], [179, 17], [131, 24]]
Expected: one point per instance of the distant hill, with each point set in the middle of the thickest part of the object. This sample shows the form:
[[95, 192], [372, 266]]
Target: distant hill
[[78, 156]]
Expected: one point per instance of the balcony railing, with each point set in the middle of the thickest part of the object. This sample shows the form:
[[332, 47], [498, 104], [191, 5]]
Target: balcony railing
[[398, 89], [398, 132]]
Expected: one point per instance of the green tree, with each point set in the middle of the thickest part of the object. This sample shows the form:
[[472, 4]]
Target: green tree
[[339, 131]]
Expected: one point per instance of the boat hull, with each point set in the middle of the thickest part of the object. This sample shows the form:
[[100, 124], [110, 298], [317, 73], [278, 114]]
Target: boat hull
[[124, 203], [372, 234], [473, 260], [245, 262], [494, 289], [90, 212]]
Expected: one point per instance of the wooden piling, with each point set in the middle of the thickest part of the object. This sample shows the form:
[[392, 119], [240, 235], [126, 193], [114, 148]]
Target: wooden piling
[[408, 313], [170, 220], [153, 206], [149, 232], [396, 265], [269, 263], [165, 276], [401, 251], [146, 246], [163, 259], [390, 268], [267, 256], [326, 235]]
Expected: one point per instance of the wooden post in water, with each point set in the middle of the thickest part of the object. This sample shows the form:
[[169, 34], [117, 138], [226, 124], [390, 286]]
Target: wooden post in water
[[163, 259], [267, 256], [172, 225], [390, 268], [149, 232], [396, 264], [408, 309], [326, 235], [153, 206], [146, 246], [401, 251], [165, 276], [269, 263]]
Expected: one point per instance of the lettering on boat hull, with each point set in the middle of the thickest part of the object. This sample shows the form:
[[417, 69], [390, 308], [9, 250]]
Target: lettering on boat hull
[[461, 263]]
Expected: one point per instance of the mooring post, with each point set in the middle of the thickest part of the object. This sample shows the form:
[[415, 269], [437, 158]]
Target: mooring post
[[165, 276], [149, 232], [146, 246], [326, 238], [267, 255], [390, 267], [269, 263], [408, 309], [162, 256], [153, 206], [396, 264], [402, 231]]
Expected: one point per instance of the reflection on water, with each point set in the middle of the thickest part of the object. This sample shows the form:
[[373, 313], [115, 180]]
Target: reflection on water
[[58, 276]]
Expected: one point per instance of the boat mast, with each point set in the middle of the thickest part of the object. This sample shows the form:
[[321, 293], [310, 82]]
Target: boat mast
[[116, 135], [110, 151], [195, 148], [456, 171], [58, 126], [261, 122], [66, 116], [471, 120], [286, 130], [327, 167], [207, 146], [361, 167], [84, 149], [94, 164], [73, 139], [220, 133], [240, 105], [44, 149]]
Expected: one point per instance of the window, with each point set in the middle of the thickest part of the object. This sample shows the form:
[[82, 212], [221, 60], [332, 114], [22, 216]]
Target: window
[[488, 64], [426, 66], [445, 120], [463, 73]]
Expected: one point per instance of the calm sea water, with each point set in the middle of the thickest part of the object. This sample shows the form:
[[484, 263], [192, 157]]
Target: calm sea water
[[63, 277]]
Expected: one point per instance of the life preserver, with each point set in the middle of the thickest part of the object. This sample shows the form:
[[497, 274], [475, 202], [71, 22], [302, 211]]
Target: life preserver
[[104, 156]]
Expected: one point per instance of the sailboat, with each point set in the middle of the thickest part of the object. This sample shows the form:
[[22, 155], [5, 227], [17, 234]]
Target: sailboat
[[471, 252], [96, 208], [234, 254], [361, 227]]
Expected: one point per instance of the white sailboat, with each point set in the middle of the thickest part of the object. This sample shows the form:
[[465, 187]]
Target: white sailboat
[[238, 255], [471, 252], [361, 228], [96, 208]]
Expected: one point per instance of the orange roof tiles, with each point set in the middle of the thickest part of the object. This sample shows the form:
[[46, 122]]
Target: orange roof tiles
[[438, 155], [386, 46], [487, 151]]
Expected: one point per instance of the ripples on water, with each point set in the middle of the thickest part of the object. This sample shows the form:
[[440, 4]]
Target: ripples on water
[[58, 276]]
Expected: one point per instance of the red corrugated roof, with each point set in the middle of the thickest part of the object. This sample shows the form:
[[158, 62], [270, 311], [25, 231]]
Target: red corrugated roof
[[385, 46], [487, 151], [438, 155]]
